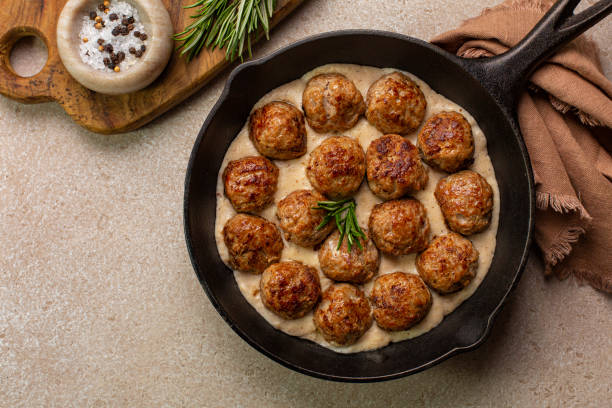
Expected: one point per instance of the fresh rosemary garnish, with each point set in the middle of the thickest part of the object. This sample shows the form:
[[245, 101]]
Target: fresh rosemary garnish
[[225, 23], [343, 212]]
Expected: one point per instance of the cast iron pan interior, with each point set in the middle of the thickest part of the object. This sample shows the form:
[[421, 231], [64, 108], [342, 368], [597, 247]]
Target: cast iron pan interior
[[469, 324]]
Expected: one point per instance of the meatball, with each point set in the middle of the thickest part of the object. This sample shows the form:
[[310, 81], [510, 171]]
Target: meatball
[[253, 243], [299, 220], [449, 263], [250, 183], [336, 167], [290, 289], [357, 266], [332, 103], [446, 142], [400, 300], [395, 104], [394, 168], [466, 201], [278, 131], [399, 227], [343, 315]]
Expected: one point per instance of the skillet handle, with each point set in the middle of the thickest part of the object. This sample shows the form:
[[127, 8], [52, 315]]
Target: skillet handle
[[506, 74]]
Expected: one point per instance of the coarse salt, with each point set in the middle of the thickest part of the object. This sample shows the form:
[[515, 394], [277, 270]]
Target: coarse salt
[[89, 52]]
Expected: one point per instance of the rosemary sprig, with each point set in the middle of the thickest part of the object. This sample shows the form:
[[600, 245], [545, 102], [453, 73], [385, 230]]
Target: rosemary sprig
[[225, 23], [343, 212]]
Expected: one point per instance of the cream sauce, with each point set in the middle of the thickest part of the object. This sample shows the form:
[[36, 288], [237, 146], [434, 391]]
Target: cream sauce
[[292, 176]]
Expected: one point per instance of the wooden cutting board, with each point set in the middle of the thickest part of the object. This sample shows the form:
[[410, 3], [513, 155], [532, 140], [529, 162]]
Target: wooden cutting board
[[97, 112]]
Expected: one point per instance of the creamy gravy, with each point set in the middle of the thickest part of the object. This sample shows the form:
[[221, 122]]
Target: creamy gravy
[[292, 176]]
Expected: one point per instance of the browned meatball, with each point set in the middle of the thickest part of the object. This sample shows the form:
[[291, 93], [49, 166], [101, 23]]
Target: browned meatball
[[290, 289], [446, 142], [343, 315], [400, 300], [336, 167], [466, 201], [278, 131], [298, 219], [250, 183], [399, 227], [332, 103], [449, 263], [356, 266], [395, 104], [253, 243], [394, 168]]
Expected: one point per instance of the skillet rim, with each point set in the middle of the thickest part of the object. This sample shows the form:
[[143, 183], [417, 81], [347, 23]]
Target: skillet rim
[[508, 112]]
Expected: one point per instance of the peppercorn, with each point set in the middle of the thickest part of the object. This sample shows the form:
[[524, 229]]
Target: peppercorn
[[132, 50], [106, 11], [98, 26], [130, 27], [101, 48], [130, 20], [116, 31], [108, 48], [138, 54], [137, 34], [124, 21], [100, 41], [113, 17], [106, 62], [101, 7], [143, 48], [143, 36], [121, 56], [85, 39], [116, 69], [124, 30], [92, 15], [98, 19], [106, 3]]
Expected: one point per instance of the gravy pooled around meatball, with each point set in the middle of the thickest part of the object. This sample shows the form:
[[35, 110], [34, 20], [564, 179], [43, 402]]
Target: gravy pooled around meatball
[[278, 131], [400, 301], [250, 183], [446, 142], [343, 315], [399, 227], [290, 289], [299, 220], [336, 167], [394, 168], [332, 103], [253, 243], [357, 266], [466, 201], [395, 104], [449, 263]]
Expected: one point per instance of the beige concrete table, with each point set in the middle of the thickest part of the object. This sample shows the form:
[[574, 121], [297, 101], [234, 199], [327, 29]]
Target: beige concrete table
[[99, 305]]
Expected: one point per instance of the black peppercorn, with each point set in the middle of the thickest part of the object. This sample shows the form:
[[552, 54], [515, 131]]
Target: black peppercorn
[[132, 50], [106, 61], [130, 20], [120, 56], [124, 30], [124, 21], [143, 48], [92, 15], [101, 6], [116, 31], [100, 41], [113, 17], [143, 36], [138, 54], [108, 48], [130, 27]]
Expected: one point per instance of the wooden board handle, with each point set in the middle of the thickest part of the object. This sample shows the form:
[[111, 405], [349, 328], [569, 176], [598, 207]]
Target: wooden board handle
[[21, 19]]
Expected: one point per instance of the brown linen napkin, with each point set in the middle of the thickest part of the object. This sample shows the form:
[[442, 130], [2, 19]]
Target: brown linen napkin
[[568, 99]]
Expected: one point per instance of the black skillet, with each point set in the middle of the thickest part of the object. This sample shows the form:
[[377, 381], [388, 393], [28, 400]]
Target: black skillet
[[487, 88]]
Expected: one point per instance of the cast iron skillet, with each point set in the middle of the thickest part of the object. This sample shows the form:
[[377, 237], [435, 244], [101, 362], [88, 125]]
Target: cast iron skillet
[[487, 88]]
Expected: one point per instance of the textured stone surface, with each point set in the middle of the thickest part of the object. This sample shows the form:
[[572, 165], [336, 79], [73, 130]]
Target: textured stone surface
[[99, 305]]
